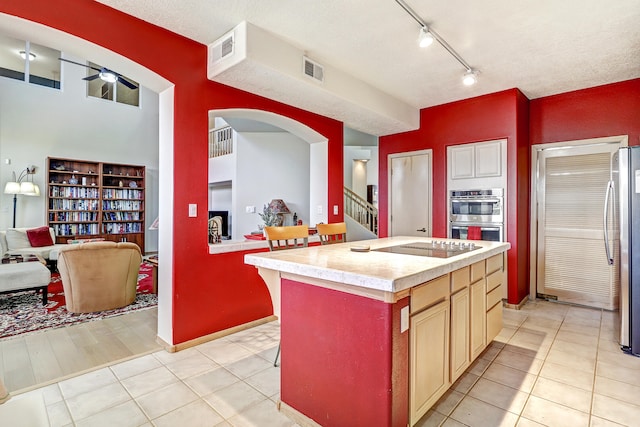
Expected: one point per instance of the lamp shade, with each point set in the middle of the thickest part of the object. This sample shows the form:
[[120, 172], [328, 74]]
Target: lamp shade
[[30, 190], [279, 206], [12, 187]]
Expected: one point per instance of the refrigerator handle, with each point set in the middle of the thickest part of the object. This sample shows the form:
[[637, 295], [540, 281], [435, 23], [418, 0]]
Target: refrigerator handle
[[606, 222]]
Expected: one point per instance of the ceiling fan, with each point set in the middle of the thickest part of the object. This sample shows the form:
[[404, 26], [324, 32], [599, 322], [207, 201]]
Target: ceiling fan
[[104, 74]]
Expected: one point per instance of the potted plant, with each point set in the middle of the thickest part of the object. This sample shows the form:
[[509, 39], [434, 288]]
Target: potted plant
[[269, 217]]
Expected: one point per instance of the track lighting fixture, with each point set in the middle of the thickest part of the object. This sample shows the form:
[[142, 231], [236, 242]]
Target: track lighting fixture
[[427, 36], [107, 76], [470, 77], [23, 54]]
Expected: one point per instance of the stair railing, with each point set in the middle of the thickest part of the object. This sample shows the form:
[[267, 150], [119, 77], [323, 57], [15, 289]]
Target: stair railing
[[220, 141], [361, 211]]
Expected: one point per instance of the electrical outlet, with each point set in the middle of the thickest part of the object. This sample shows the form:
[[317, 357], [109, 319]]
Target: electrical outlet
[[319, 210], [250, 209], [404, 319], [193, 210], [335, 209]]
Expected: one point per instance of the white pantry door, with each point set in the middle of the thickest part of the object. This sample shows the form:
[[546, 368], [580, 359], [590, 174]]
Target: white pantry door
[[410, 194]]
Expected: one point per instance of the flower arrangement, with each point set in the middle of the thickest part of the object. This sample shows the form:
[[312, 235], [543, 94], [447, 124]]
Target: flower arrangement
[[269, 216]]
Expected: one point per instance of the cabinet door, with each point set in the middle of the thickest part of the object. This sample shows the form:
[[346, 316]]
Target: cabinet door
[[478, 318], [488, 159], [494, 321], [459, 333], [428, 359], [462, 161]]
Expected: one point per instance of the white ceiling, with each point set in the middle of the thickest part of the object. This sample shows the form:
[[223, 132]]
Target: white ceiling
[[542, 47]]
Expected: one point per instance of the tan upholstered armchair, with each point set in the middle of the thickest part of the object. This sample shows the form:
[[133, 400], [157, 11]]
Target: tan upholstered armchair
[[99, 276]]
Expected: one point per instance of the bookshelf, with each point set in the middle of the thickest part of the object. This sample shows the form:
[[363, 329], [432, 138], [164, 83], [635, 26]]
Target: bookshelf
[[88, 200]]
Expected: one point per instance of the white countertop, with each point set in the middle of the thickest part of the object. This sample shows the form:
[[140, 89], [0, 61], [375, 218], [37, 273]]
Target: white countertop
[[383, 271], [227, 246]]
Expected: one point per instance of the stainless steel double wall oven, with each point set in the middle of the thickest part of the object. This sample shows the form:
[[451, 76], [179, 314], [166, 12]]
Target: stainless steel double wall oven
[[477, 214]]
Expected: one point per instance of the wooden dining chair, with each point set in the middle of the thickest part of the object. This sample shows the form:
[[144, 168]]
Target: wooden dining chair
[[287, 237], [332, 233]]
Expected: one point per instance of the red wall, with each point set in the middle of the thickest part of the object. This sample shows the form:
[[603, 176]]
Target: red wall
[[340, 348], [210, 292], [495, 116], [608, 110]]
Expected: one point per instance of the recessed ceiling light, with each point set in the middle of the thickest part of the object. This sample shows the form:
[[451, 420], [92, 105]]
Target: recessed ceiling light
[[23, 54]]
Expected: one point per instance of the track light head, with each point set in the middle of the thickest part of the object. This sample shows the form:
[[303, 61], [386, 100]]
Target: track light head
[[108, 76], [424, 37], [470, 78]]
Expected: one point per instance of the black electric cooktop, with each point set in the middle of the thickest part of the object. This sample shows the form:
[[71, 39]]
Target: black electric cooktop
[[433, 249]]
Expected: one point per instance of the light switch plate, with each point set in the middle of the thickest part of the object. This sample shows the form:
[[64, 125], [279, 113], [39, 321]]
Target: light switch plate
[[193, 210], [404, 319]]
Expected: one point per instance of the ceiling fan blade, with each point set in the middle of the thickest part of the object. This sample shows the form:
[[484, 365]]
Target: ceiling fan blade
[[90, 78], [78, 63], [126, 82]]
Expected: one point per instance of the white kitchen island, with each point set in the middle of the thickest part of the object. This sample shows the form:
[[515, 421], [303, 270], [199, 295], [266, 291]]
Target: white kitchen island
[[373, 337]]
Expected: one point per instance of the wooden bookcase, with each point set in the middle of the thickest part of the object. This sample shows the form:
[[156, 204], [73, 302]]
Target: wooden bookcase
[[88, 199]]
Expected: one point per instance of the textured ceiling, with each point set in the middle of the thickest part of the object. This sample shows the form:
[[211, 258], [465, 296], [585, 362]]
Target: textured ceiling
[[543, 47]]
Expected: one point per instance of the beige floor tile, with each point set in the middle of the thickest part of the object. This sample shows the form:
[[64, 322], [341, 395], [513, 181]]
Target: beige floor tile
[[601, 422], [97, 400], [519, 361], [431, 419], [567, 375], [563, 394], [146, 382], [233, 399], [127, 414], [553, 414], [450, 422], [618, 373], [490, 352], [528, 349], [524, 422], [89, 381], [581, 339], [465, 382], [542, 324], [250, 365], [135, 366], [210, 381], [51, 394], [165, 357], [224, 352], [619, 390], [533, 336], [166, 399], [615, 410], [580, 329], [608, 345], [447, 403], [573, 360], [266, 382], [510, 377], [474, 412], [59, 414], [621, 359], [263, 414], [505, 334], [499, 395], [190, 366], [585, 351], [195, 414], [479, 366]]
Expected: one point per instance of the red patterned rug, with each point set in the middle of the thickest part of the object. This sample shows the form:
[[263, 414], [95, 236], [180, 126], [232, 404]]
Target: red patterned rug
[[23, 312]]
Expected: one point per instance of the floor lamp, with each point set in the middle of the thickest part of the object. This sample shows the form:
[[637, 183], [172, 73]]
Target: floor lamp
[[22, 185]]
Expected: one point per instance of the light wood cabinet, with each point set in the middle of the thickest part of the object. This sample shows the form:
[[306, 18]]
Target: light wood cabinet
[[476, 160], [460, 333], [428, 359], [87, 199], [495, 277], [478, 309]]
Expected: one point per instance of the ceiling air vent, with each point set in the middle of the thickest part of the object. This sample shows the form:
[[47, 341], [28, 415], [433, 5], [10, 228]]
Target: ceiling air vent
[[313, 69], [223, 49]]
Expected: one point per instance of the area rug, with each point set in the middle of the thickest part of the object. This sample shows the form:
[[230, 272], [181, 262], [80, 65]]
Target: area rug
[[23, 312]]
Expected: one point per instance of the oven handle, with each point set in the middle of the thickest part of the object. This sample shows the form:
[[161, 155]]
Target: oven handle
[[475, 200], [460, 227], [607, 249]]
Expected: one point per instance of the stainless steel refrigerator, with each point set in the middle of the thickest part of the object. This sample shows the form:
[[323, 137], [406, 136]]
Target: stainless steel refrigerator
[[623, 194]]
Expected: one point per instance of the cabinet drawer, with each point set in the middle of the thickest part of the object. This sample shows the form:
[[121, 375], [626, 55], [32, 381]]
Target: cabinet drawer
[[494, 263], [477, 271], [429, 293], [494, 322], [493, 297], [460, 279], [494, 280]]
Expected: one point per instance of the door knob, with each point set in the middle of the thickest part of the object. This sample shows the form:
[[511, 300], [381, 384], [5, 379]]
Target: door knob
[[424, 230]]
